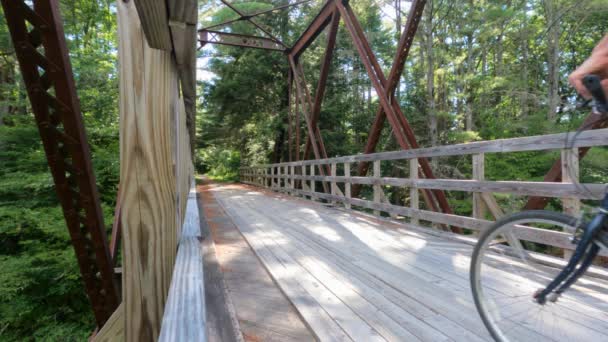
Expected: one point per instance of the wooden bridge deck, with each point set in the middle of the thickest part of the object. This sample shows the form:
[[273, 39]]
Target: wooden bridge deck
[[354, 277]]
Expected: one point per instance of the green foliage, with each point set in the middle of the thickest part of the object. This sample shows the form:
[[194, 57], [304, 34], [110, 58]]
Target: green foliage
[[218, 164], [42, 295]]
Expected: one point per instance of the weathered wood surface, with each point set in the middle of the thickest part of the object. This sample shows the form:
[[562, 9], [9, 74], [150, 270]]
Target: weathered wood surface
[[184, 318], [222, 322], [590, 138], [114, 328], [155, 174], [547, 237], [262, 310], [582, 191], [155, 23], [356, 278]]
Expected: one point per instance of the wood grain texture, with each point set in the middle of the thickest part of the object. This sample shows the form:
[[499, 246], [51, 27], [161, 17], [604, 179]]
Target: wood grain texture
[[262, 310], [598, 137], [114, 329], [414, 194], [184, 318], [396, 282], [155, 23], [553, 189], [151, 215], [222, 323]]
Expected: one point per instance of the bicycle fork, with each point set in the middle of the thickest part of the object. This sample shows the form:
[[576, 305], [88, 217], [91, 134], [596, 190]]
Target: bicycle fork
[[586, 250]]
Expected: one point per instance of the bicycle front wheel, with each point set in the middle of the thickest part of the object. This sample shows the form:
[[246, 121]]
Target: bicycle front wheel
[[513, 260]]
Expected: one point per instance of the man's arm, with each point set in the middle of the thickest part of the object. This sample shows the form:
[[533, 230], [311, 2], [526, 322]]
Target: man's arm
[[596, 64]]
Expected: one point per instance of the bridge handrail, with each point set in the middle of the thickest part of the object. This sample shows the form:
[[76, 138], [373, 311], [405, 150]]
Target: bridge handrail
[[292, 178], [590, 138]]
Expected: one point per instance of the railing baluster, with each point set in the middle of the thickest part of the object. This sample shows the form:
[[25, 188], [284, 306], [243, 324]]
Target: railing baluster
[[414, 195], [347, 184], [570, 174], [377, 187], [479, 207]]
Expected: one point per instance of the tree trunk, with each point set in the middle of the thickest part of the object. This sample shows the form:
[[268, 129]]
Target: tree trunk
[[430, 75], [524, 56], [553, 33]]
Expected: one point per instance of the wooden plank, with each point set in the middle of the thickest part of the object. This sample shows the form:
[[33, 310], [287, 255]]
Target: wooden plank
[[582, 191], [155, 23], [347, 186], [598, 137], [114, 328], [302, 223], [263, 311], [335, 311], [316, 317], [414, 194], [570, 175], [334, 173], [463, 279], [185, 313], [547, 237], [184, 318], [148, 83], [312, 182], [222, 324], [479, 209], [377, 189]]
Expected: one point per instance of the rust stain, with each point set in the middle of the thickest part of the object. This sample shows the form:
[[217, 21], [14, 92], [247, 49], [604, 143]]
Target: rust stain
[[251, 337]]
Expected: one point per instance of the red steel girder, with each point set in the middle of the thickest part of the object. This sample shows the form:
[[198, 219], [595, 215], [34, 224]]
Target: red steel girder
[[233, 39], [314, 29], [306, 105], [320, 91], [253, 15], [388, 103], [39, 40], [254, 23], [403, 47]]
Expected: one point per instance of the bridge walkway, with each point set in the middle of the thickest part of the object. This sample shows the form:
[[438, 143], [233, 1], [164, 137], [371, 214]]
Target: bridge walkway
[[352, 276]]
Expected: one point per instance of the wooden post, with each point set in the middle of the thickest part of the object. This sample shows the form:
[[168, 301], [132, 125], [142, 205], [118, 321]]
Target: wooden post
[[570, 174], [347, 184], [479, 207], [377, 187], [334, 173], [291, 180], [414, 195], [312, 182]]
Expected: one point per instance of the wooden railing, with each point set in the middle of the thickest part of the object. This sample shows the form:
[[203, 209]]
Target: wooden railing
[[299, 178]]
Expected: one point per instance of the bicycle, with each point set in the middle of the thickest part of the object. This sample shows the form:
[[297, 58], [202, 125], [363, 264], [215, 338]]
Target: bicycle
[[537, 297]]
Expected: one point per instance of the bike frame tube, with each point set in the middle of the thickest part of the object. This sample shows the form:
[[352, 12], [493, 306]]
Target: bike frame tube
[[586, 250]]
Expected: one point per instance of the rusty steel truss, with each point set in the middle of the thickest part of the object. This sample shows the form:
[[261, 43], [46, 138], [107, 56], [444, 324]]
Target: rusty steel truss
[[330, 14], [39, 41]]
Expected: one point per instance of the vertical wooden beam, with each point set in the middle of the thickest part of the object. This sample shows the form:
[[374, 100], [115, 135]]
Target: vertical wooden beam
[[414, 195], [347, 184], [312, 182], [292, 182], [377, 188], [148, 84], [479, 207], [334, 185], [570, 174]]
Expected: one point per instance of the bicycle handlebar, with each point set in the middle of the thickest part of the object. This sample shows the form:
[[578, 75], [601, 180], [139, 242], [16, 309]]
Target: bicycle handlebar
[[594, 85]]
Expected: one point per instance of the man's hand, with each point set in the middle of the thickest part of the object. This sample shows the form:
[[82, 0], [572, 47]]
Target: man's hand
[[596, 64]]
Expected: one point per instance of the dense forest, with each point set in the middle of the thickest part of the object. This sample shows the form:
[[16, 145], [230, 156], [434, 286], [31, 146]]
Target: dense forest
[[478, 70]]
